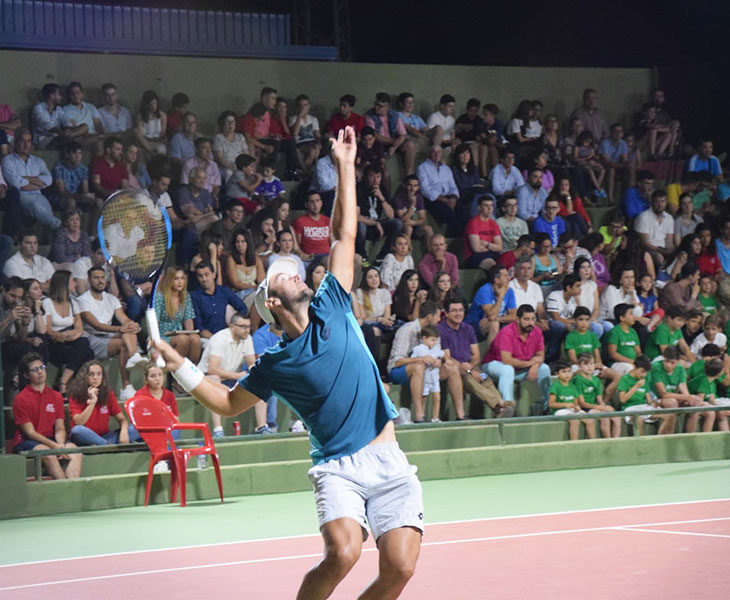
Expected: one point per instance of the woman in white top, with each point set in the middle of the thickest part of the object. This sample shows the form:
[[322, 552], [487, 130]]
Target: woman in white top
[[244, 270], [150, 125], [284, 247], [228, 144], [396, 262], [622, 291], [372, 309], [589, 295], [68, 348], [686, 220]]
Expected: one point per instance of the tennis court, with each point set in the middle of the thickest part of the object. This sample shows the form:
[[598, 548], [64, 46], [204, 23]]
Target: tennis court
[[645, 531]]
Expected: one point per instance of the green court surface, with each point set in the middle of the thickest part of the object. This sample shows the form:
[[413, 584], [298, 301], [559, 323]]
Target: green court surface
[[283, 515]]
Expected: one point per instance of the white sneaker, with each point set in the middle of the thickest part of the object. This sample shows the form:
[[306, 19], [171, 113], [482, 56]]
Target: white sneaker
[[137, 361], [162, 467], [128, 392], [297, 427]]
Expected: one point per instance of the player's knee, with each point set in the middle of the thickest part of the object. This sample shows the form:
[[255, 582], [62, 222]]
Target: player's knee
[[342, 557], [399, 572]]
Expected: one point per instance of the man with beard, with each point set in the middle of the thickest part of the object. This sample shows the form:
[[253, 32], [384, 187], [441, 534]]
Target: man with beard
[[322, 368], [518, 352], [531, 198]]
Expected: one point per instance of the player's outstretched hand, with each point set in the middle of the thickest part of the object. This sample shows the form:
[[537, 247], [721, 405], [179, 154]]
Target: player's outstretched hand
[[172, 358], [344, 148]]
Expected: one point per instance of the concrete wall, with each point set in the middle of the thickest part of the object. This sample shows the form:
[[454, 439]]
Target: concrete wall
[[216, 84]]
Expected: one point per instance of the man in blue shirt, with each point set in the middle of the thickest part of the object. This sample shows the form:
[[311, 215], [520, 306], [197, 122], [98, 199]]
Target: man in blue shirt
[[264, 338], [210, 301], [439, 188], [549, 222], [494, 305], [636, 199], [531, 198], [704, 160], [323, 370]]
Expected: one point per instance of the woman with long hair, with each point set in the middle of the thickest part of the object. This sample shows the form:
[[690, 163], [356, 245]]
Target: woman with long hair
[[571, 208], [154, 380], [210, 249], [539, 160], [634, 253], [408, 296], [686, 221], [263, 232], [708, 261], [547, 268], [244, 268], [589, 295], [689, 251], [91, 402], [281, 208], [150, 125], [397, 261], [594, 243], [36, 330], [372, 309], [68, 348], [137, 174], [316, 270], [443, 290], [175, 314]]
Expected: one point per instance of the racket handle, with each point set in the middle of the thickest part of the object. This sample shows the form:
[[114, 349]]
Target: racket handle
[[154, 331]]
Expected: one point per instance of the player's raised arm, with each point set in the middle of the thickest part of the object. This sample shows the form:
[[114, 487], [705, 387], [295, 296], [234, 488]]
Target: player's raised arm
[[344, 213]]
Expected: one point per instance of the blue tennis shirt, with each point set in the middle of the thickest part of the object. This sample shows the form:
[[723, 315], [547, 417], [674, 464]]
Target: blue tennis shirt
[[328, 377]]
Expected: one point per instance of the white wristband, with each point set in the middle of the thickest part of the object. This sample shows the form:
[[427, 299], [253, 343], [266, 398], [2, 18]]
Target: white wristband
[[188, 376]]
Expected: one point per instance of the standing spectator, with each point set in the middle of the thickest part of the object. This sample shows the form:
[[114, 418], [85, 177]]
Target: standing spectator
[[81, 121], [228, 145], [70, 242], [390, 130], [114, 117], [438, 259], [656, 228], [175, 314], [150, 125], [505, 177], [396, 262], [439, 188], [176, 117], [376, 218], [39, 419], [590, 115], [68, 348], [636, 199], [305, 130], [137, 175], [346, 117], [29, 175], [46, 118], [549, 222], [483, 238], [493, 305], [210, 302], [410, 208], [704, 160], [531, 198], [441, 124], [202, 159], [614, 152], [108, 172], [182, 143], [313, 230], [26, 263], [511, 227]]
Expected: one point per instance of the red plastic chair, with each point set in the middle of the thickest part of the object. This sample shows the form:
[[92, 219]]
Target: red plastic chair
[[155, 422]]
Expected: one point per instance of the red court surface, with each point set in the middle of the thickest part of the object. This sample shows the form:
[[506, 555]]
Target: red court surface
[[667, 551]]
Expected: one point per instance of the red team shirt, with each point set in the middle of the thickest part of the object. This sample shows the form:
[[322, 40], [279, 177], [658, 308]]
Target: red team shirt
[[315, 234], [98, 421], [486, 230], [338, 122], [41, 409], [167, 397]]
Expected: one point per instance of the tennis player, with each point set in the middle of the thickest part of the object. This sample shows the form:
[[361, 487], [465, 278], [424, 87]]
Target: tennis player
[[324, 371]]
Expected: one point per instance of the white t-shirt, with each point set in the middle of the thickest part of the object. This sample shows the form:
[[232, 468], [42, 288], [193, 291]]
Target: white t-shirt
[[701, 341], [612, 296], [58, 322], [533, 295], [587, 296], [103, 310], [380, 300], [556, 303], [231, 352], [308, 126], [39, 268], [447, 124], [81, 266], [648, 222]]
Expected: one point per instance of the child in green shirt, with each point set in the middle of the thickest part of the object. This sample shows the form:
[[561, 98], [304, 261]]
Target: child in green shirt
[[634, 395], [564, 399], [706, 297], [591, 391], [704, 385], [669, 333], [622, 342]]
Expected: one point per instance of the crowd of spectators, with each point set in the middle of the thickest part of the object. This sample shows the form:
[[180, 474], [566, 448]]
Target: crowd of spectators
[[592, 293]]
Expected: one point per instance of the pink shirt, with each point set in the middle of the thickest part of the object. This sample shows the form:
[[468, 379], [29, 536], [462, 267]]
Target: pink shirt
[[509, 340], [428, 268], [400, 128], [6, 113]]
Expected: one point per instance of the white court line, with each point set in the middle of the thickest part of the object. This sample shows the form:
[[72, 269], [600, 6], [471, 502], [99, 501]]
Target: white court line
[[715, 535], [319, 554], [307, 535]]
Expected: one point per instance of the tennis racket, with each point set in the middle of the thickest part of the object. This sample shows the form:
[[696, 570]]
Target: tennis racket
[[135, 236]]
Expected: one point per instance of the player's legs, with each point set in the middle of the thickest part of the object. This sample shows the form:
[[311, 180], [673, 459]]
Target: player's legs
[[342, 547], [398, 552]]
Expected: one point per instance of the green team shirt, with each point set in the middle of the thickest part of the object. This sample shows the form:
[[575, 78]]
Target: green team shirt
[[702, 385], [625, 342], [697, 369], [709, 303], [590, 389], [563, 393], [661, 336], [671, 380], [626, 383], [582, 342]]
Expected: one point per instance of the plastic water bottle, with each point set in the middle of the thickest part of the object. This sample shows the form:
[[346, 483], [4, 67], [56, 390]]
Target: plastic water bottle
[[202, 458]]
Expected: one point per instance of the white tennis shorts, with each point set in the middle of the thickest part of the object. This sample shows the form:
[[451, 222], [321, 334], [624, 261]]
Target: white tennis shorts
[[375, 486], [645, 418]]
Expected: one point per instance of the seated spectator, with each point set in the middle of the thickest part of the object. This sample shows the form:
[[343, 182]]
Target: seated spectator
[[70, 242], [704, 385], [98, 310], [467, 179], [443, 290], [29, 175], [232, 220], [210, 302], [511, 227], [244, 268], [137, 175], [210, 249], [547, 267], [408, 297], [372, 309], [686, 221], [390, 130], [483, 238], [376, 218], [438, 187], [416, 127], [634, 396], [324, 183], [68, 348], [531, 198], [683, 291], [196, 203], [693, 326], [593, 244], [396, 262], [202, 159], [656, 228], [96, 258], [589, 296], [22, 323], [708, 260], [430, 346], [688, 252], [438, 259], [71, 178], [441, 124], [39, 420], [284, 247], [621, 291], [572, 211], [614, 153], [154, 379], [663, 130], [561, 306], [175, 314], [150, 125], [527, 291], [270, 188], [27, 263], [539, 160], [492, 138], [591, 117], [711, 334], [228, 145], [406, 370], [370, 151], [634, 254], [525, 247], [264, 234], [91, 403], [568, 251], [182, 143], [518, 353], [585, 157], [549, 222], [459, 343], [622, 342], [564, 399], [469, 130], [704, 160], [178, 109], [346, 117], [109, 172], [80, 120], [505, 177], [590, 389], [243, 184], [707, 297], [614, 236], [114, 117], [227, 358], [410, 208], [637, 199], [524, 130], [669, 333], [313, 230], [305, 130], [493, 305], [46, 118]]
